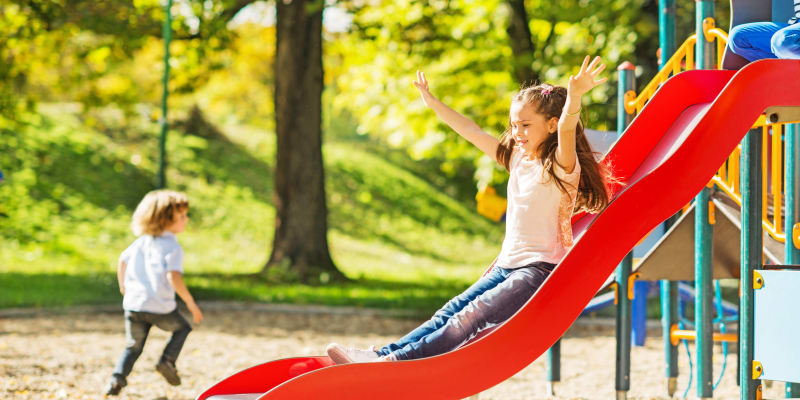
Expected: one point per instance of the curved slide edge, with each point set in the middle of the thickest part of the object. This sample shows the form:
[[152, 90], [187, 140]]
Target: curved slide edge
[[649, 127], [262, 377]]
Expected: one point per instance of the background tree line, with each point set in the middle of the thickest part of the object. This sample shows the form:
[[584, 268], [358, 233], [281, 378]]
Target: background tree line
[[290, 74]]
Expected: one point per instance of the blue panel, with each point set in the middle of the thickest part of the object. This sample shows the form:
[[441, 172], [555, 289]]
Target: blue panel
[[639, 307], [777, 325], [782, 10]]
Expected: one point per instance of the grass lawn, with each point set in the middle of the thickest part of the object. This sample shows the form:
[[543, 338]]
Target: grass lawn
[[72, 183]]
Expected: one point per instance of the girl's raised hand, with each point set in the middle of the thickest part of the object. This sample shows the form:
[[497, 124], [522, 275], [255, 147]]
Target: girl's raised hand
[[586, 79], [422, 85]]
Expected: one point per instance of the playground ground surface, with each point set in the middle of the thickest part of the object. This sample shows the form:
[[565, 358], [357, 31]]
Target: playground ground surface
[[69, 354]]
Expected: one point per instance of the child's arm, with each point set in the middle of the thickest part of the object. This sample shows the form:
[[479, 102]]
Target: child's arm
[[121, 266], [464, 126], [567, 124], [176, 279]]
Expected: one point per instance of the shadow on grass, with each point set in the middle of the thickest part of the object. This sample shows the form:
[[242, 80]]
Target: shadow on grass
[[367, 293], [226, 161], [108, 181], [96, 176], [65, 290], [57, 290]]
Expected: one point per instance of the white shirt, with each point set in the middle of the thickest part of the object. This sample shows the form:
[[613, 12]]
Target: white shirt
[[148, 260], [538, 214]]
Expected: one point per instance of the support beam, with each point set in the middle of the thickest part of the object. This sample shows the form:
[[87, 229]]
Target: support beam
[[669, 290], [703, 311], [750, 257], [627, 82]]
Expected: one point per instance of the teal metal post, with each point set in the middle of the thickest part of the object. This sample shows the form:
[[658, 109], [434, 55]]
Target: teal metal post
[[624, 321], [751, 250], [703, 311], [669, 317], [666, 30], [162, 143], [553, 367], [704, 50], [669, 289], [790, 187], [627, 81]]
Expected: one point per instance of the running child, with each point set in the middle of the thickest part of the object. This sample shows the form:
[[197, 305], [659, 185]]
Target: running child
[[149, 273]]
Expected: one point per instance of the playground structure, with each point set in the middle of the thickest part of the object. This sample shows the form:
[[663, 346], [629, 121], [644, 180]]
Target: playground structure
[[772, 170], [670, 260], [685, 127]]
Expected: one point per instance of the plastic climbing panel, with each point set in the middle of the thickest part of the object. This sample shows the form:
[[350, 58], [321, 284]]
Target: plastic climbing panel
[[777, 325]]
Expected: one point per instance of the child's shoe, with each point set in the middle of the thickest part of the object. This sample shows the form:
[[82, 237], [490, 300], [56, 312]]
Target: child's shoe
[[115, 385], [167, 369], [345, 355]]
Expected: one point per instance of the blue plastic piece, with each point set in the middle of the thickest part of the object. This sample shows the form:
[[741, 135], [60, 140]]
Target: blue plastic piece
[[639, 308]]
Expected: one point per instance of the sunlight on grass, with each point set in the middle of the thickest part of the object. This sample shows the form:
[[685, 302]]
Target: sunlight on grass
[[404, 243], [374, 260]]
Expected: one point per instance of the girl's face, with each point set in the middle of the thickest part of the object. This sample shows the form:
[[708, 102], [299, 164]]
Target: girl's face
[[179, 223], [530, 128]]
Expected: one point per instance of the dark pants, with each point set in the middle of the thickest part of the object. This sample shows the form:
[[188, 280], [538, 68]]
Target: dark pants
[[490, 301], [137, 326]]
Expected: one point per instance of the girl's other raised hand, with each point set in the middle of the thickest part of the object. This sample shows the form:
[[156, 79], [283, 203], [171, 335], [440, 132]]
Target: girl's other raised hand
[[422, 85], [586, 79]]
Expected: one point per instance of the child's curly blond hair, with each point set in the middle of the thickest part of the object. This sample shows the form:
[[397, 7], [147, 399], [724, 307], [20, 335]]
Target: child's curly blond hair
[[157, 211]]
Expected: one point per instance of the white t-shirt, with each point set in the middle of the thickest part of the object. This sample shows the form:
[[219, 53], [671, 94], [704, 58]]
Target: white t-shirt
[[538, 214], [148, 260]]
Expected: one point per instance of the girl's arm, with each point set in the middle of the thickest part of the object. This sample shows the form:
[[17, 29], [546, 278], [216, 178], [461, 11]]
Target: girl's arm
[[464, 126], [567, 124]]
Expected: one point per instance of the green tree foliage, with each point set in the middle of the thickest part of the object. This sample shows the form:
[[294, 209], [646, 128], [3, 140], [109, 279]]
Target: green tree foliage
[[57, 50], [464, 49]]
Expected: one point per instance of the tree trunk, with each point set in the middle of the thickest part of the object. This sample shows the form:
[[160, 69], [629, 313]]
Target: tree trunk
[[522, 46], [300, 247]]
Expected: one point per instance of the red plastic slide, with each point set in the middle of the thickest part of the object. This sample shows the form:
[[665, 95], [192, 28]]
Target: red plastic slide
[[670, 151]]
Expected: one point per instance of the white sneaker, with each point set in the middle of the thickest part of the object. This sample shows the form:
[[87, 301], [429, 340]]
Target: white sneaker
[[345, 355]]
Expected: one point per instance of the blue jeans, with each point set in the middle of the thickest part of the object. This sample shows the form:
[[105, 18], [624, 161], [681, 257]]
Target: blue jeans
[[490, 301], [758, 40], [137, 326]]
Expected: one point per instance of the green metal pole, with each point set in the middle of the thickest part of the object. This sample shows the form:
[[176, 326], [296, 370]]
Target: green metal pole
[[553, 367], [623, 333], [704, 50], [790, 187], [162, 143], [627, 81], [669, 289], [666, 30], [751, 250], [703, 310], [669, 317]]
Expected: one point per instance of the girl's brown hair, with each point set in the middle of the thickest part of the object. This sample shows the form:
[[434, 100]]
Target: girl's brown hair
[[157, 211], [593, 193]]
